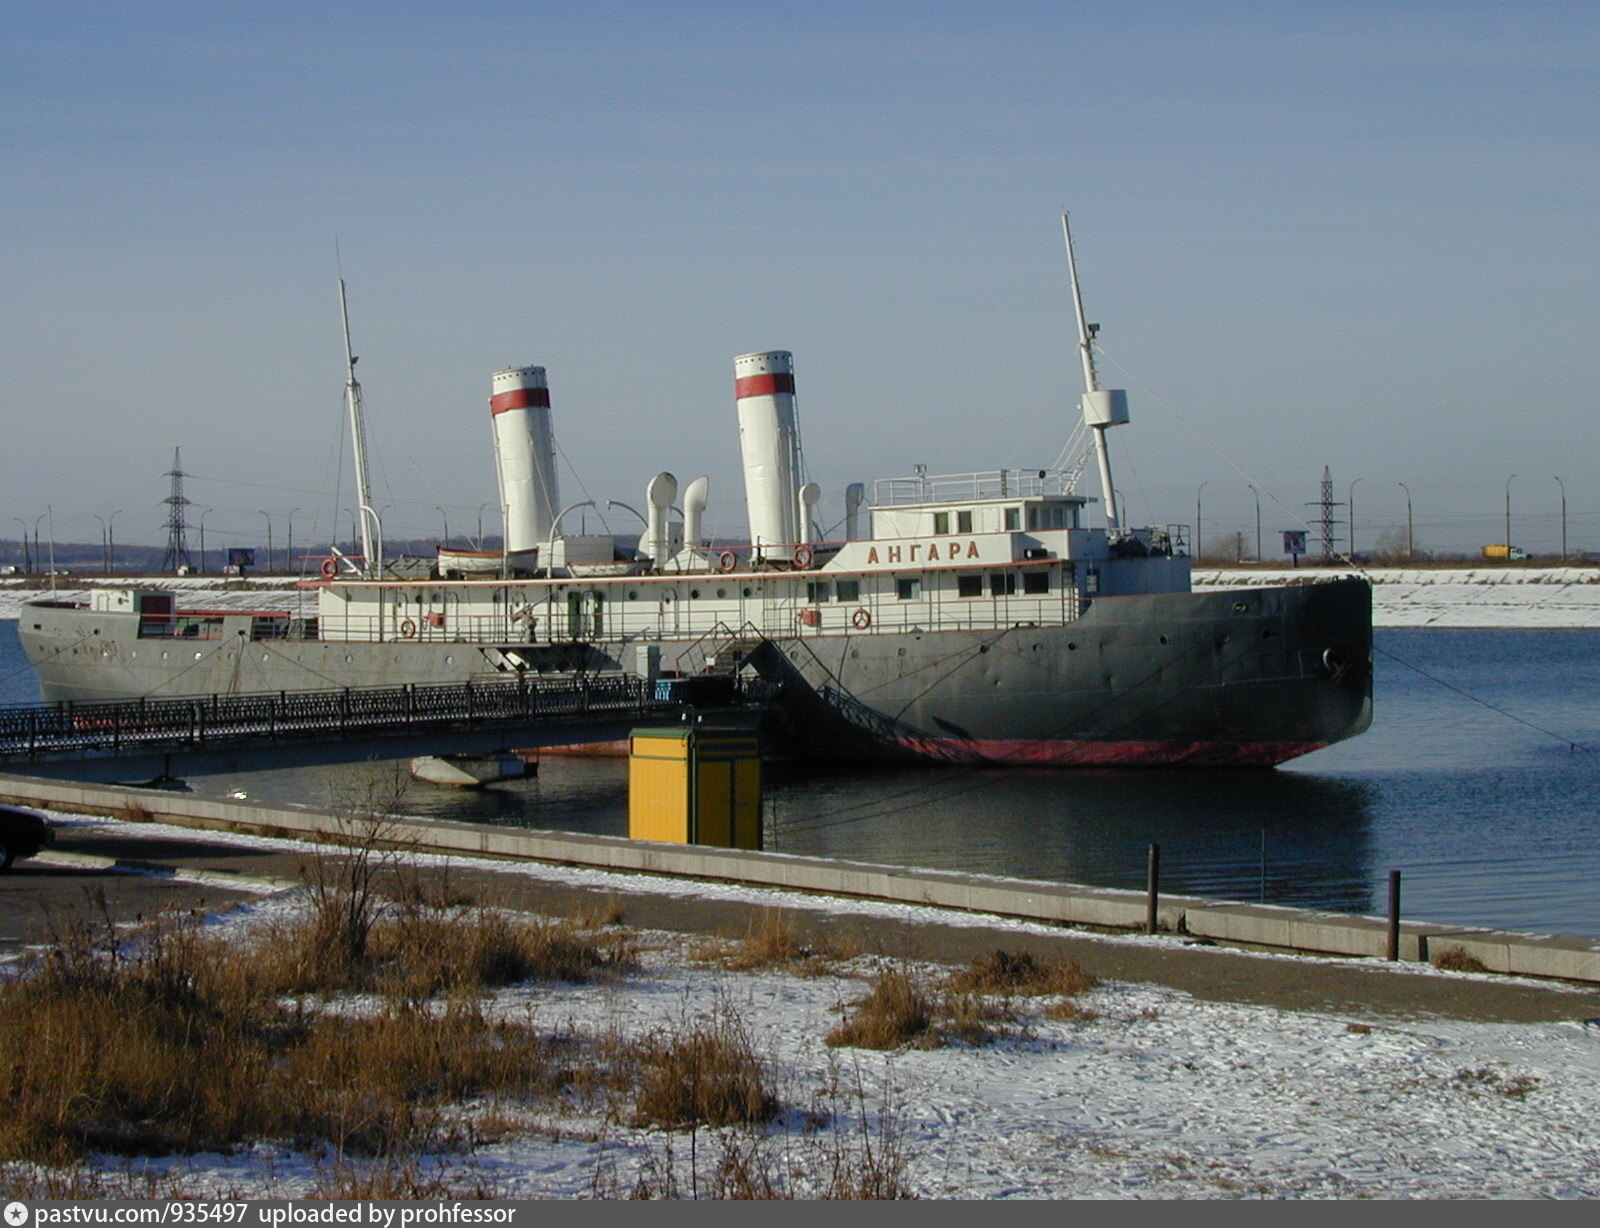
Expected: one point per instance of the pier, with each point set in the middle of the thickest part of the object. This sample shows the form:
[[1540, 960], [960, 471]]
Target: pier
[[34, 731]]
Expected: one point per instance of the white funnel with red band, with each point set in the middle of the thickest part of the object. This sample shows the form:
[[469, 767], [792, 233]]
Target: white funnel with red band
[[769, 442], [524, 455]]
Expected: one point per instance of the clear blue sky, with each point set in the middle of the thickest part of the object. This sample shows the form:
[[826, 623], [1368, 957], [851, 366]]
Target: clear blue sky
[[1346, 233]]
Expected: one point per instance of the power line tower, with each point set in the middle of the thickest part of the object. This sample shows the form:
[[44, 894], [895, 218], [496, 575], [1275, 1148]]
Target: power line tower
[[1326, 518], [177, 555]]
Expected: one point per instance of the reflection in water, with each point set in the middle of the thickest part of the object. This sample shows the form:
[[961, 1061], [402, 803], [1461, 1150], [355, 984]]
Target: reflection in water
[[1240, 834]]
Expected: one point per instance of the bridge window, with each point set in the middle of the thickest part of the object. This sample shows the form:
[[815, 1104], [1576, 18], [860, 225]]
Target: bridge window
[[909, 588], [964, 522], [941, 522], [1013, 520], [1036, 582], [969, 586], [1002, 584], [818, 590], [848, 590]]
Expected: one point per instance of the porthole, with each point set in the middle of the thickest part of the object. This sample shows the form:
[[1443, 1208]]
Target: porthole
[[1038, 648], [348, 658], [633, 594], [745, 592], [722, 592], [1071, 646], [266, 656], [163, 654], [198, 655], [694, 594], [449, 660], [1165, 640], [983, 648], [1239, 607]]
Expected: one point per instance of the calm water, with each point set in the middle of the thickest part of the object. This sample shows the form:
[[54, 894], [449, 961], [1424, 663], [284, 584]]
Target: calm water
[[1491, 815]]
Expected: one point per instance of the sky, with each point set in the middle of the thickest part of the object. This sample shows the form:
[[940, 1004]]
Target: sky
[[1351, 234]]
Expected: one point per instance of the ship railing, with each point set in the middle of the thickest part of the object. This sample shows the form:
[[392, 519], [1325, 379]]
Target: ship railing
[[772, 616], [958, 487]]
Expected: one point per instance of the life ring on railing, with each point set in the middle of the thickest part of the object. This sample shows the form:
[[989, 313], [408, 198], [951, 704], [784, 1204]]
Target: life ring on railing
[[727, 561], [329, 568], [408, 629], [861, 619], [803, 557]]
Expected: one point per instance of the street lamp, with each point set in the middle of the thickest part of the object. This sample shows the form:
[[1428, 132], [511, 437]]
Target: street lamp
[[27, 554], [446, 519], [481, 506], [105, 556], [38, 554], [268, 568], [203, 512], [288, 550], [1411, 547], [1352, 502], [1508, 518], [1563, 486], [1257, 494], [1198, 538]]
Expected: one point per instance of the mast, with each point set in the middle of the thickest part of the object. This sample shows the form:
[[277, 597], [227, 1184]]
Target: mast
[[371, 564], [1103, 408]]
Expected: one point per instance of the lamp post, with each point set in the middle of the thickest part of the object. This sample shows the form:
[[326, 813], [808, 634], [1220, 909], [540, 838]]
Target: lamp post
[[481, 506], [268, 568], [27, 554], [203, 512], [105, 555], [38, 554], [1352, 502], [1198, 537], [288, 549], [1257, 494], [1411, 546], [1508, 518], [446, 520], [1563, 486]]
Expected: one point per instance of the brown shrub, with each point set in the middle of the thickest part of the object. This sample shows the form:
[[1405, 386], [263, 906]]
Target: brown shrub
[[895, 1012], [1455, 958], [704, 1074], [1017, 972]]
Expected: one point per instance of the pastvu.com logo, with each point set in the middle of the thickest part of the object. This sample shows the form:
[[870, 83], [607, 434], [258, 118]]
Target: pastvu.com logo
[[16, 1214]]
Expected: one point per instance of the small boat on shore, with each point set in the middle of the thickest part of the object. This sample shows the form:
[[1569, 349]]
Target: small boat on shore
[[471, 771]]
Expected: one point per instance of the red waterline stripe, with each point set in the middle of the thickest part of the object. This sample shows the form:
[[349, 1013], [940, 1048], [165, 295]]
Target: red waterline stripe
[[519, 398], [763, 385]]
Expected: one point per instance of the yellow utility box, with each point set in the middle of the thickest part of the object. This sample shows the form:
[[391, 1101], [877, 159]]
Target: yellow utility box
[[689, 785]]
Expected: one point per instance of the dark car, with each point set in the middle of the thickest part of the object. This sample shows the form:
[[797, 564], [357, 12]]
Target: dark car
[[22, 834]]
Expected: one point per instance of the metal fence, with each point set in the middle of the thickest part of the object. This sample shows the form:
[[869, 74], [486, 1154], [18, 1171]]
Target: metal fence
[[28, 730]]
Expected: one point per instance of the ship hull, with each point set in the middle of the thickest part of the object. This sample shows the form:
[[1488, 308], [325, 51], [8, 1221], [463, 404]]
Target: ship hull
[[1241, 678]]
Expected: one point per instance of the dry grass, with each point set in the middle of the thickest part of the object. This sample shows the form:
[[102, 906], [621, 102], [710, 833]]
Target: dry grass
[[701, 1074], [896, 1012], [773, 943], [175, 1041], [1455, 958], [1017, 972]]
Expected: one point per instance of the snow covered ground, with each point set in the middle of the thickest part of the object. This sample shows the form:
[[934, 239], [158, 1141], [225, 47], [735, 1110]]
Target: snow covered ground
[[1502, 597], [1498, 597], [1152, 1094]]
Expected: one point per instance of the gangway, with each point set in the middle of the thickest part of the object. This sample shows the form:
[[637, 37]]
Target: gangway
[[30, 731]]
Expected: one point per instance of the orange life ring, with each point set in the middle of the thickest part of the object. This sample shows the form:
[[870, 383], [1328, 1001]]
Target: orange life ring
[[861, 619], [727, 561], [803, 557], [408, 629], [329, 569]]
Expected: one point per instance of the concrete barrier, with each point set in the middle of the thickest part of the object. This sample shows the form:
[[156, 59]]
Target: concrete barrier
[[1266, 926]]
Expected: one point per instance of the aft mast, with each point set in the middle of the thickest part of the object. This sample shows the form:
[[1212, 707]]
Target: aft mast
[[371, 564], [1103, 408]]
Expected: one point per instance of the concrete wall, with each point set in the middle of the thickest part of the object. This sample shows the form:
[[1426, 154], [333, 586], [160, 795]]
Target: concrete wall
[[1258, 925]]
